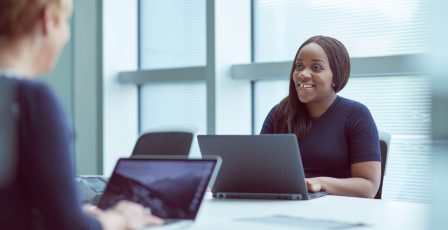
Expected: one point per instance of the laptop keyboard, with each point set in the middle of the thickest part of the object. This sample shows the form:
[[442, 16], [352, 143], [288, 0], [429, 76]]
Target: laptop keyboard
[[97, 184]]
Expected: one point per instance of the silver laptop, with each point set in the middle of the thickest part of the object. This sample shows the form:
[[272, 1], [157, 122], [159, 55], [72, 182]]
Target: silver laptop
[[172, 188], [258, 166]]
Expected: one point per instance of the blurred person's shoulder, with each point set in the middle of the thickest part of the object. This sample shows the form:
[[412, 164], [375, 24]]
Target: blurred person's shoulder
[[34, 91], [32, 86], [36, 100]]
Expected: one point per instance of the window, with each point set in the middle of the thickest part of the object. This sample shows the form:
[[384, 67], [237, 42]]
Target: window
[[401, 106], [174, 106], [172, 33], [176, 90], [265, 101], [172, 38], [367, 28]]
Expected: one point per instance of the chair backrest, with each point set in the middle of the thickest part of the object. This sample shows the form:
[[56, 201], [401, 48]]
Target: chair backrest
[[8, 118], [384, 147], [163, 143]]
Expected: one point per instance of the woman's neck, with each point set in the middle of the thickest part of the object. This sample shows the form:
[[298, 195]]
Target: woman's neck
[[17, 58], [316, 109]]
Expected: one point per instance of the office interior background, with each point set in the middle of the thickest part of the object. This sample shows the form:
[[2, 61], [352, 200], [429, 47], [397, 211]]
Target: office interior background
[[219, 66]]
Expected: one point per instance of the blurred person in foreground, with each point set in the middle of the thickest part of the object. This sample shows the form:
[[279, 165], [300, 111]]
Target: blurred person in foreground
[[41, 193]]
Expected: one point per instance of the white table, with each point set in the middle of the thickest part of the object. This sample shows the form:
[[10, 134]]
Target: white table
[[376, 214]]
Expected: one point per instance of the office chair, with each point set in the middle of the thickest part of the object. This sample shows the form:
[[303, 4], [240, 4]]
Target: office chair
[[163, 143], [8, 119], [384, 147]]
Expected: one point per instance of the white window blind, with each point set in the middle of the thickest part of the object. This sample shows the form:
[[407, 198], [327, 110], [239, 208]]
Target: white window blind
[[172, 106], [266, 95], [367, 28], [401, 106], [172, 33]]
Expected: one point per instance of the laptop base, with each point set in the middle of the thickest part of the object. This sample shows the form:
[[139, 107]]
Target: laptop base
[[267, 196]]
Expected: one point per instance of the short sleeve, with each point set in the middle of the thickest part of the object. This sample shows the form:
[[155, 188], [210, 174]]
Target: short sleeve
[[363, 137]]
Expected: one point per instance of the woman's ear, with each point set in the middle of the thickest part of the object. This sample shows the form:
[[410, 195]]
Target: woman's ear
[[333, 85], [45, 19]]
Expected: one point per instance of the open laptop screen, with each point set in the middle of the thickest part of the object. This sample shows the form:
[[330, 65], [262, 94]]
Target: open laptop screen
[[172, 188]]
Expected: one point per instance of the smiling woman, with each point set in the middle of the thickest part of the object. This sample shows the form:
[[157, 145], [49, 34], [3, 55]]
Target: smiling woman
[[338, 137]]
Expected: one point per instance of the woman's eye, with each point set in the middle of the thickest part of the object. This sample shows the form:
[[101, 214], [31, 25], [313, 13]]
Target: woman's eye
[[299, 67], [317, 68]]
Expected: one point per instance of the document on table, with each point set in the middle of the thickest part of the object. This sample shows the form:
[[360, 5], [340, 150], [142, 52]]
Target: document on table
[[295, 222]]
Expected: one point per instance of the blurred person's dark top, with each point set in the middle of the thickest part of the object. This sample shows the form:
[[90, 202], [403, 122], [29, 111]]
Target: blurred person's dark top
[[43, 193], [343, 135]]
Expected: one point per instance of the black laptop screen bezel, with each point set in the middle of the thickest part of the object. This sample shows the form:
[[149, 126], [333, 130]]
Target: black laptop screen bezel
[[215, 163]]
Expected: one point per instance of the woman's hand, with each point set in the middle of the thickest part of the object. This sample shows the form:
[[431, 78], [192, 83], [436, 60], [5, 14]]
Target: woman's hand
[[313, 185], [124, 215], [365, 180]]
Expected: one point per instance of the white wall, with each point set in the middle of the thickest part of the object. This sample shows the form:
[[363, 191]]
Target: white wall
[[87, 86], [438, 64]]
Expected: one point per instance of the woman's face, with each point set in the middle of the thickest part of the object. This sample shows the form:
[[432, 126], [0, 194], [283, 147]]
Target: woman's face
[[312, 75], [57, 36]]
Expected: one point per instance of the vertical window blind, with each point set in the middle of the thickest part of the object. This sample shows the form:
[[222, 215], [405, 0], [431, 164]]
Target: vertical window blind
[[172, 35], [173, 106], [400, 104], [267, 94], [367, 28]]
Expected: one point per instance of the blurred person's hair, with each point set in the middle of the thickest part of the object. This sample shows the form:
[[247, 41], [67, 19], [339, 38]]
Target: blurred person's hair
[[18, 17]]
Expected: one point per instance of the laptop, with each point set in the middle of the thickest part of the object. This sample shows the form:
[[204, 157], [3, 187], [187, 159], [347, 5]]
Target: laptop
[[91, 187], [172, 187], [258, 166]]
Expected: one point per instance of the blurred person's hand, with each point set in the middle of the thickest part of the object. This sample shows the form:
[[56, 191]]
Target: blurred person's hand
[[124, 215]]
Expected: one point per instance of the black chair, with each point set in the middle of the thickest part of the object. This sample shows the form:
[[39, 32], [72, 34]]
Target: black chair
[[163, 143], [384, 147]]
